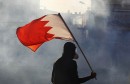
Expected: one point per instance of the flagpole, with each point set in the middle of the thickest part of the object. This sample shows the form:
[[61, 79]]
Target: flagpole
[[76, 43]]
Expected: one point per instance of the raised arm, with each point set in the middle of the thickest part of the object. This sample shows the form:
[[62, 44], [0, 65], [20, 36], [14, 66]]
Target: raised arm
[[82, 80]]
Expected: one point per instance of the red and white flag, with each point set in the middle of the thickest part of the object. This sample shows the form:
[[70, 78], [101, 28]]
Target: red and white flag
[[43, 29]]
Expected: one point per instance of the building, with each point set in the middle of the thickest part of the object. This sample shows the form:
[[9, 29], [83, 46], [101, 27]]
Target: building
[[119, 15]]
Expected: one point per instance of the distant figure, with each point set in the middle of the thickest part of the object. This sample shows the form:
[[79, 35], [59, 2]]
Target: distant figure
[[65, 68]]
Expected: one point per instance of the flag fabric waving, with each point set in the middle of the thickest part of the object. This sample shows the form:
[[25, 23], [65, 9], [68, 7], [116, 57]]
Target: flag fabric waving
[[41, 30]]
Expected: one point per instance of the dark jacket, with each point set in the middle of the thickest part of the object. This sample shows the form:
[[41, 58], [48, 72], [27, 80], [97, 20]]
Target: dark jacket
[[65, 72], [65, 68]]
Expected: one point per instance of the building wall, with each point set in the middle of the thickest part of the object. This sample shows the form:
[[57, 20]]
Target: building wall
[[119, 17]]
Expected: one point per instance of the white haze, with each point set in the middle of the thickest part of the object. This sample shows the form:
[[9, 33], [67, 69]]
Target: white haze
[[19, 65]]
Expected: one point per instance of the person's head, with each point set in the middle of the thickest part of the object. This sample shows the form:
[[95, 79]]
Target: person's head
[[69, 51]]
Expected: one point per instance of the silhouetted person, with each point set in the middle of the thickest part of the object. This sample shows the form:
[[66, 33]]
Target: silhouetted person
[[65, 68]]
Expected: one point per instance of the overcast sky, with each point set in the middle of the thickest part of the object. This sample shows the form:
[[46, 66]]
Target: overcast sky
[[66, 5], [107, 51]]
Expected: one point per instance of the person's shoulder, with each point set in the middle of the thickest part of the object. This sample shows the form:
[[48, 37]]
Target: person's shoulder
[[59, 61]]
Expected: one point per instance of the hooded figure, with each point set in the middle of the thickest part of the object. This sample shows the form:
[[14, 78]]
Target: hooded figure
[[65, 68]]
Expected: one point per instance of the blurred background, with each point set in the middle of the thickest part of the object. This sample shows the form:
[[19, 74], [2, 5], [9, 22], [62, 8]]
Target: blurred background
[[101, 27]]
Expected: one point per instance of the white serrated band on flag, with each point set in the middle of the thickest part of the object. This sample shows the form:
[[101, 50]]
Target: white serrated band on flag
[[59, 29]]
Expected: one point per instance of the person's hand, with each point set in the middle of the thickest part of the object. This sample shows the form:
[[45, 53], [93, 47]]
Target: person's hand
[[93, 75]]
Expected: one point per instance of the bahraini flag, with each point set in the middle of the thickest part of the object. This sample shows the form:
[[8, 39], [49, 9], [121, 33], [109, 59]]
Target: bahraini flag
[[41, 30]]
